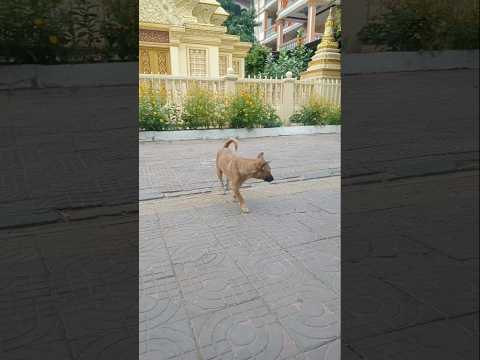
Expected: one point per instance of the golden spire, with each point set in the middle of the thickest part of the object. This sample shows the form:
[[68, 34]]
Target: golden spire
[[328, 38], [325, 62]]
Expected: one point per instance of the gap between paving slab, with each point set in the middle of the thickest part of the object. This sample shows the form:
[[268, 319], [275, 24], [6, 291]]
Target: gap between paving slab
[[334, 172], [218, 134], [260, 192]]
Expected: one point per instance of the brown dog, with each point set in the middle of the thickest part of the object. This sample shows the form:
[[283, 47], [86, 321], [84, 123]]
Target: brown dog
[[237, 170]]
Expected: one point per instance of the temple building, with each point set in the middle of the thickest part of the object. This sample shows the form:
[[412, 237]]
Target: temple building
[[187, 38]]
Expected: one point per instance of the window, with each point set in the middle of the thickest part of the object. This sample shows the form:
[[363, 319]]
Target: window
[[223, 63], [197, 62], [236, 66]]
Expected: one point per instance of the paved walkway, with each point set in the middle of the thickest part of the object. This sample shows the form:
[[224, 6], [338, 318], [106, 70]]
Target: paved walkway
[[216, 284], [175, 168]]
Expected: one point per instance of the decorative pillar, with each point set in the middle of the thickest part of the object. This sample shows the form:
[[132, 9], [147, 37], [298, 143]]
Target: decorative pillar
[[326, 61], [230, 80], [280, 25], [287, 108], [312, 9]]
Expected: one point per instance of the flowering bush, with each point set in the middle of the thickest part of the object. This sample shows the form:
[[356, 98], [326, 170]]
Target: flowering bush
[[154, 113], [63, 31], [203, 109], [317, 112], [246, 110]]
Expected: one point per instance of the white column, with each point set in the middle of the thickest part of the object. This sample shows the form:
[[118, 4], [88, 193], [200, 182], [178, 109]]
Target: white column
[[213, 61], [312, 8], [174, 60], [280, 25]]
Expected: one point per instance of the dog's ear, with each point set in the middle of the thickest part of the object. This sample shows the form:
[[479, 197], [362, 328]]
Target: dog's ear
[[260, 156]]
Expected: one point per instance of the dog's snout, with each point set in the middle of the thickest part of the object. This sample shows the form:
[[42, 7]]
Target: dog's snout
[[269, 178]]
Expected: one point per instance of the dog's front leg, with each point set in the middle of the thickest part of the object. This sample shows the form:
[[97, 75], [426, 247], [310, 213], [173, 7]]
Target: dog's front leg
[[239, 197]]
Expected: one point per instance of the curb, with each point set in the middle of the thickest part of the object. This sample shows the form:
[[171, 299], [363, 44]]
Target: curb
[[400, 61], [218, 134]]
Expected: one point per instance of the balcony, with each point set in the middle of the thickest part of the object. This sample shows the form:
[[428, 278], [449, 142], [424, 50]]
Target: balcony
[[270, 5], [291, 44], [290, 7], [292, 27], [270, 35]]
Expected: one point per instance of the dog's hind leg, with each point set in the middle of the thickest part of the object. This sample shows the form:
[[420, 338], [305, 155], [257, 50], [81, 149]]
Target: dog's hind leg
[[220, 178]]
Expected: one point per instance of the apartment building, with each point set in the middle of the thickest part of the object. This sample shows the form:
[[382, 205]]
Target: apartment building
[[280, 20]]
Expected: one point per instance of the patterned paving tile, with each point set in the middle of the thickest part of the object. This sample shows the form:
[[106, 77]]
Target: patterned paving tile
[[164, 326], [329, 351], [322, 259], [246, 331]]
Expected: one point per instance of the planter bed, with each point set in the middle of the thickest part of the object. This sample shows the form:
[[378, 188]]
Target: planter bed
[[218, 134]]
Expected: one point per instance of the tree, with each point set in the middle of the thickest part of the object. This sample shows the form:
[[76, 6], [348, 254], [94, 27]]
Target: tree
[[295, 60], [240, 22], [256, 59]]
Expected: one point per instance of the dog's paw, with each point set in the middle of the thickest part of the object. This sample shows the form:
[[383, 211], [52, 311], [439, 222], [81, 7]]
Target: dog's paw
[[245, 210]]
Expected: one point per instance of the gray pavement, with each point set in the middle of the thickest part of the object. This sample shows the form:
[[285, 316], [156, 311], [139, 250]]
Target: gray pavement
[[218, 284], [183, 167]]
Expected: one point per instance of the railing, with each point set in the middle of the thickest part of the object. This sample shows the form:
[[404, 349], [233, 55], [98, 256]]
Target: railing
[[291, 44], [269, 90], [267, 6], [285, 95], [292, 27], [327, 89], [285, 4], [271, 31], [316, 37], [174, 88]]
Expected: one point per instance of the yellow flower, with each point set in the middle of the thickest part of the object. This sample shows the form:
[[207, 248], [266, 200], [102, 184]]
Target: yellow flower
[[38, 22], [53, 39]]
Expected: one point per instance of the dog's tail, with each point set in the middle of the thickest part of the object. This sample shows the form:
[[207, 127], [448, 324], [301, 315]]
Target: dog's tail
[[229, 141]]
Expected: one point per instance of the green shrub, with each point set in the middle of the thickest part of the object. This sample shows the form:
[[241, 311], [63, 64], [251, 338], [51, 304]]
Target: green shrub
[[317, 112], [246, 110], [256, 59], [415, 25], [294, 60], [270, 118], [64, 31], [155, 115], [203, 110]]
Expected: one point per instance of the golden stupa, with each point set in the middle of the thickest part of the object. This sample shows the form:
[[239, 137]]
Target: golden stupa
[[326, 61]]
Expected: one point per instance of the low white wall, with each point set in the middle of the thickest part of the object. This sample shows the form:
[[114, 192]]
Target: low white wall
[[75, 75], [236, 133], [381, 62]]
